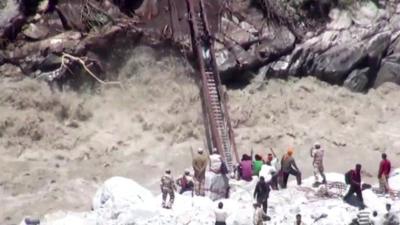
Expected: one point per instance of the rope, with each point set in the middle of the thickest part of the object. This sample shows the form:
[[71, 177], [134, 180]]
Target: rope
[[83, 64]]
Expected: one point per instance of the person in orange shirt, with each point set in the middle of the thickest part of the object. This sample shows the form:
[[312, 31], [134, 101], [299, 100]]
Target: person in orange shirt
[[288, 166]]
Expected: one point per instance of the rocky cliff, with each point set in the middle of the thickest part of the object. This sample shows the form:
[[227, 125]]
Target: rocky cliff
[[350, 43]]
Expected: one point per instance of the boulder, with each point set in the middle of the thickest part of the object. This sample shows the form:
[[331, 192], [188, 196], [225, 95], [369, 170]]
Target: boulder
[[378, 44], [279, 41], [236, 32], [123, 199], [51, 62], [121, 191], [225, 60], [389, 70], [358, 80], [366, 14], [376, 48], [336, 63], [10, 70], [340, 20], [11, 20], [70, 14], [36, 31], [148, 9]]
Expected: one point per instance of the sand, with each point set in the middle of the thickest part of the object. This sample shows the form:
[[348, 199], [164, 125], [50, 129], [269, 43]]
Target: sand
[[57, 147]]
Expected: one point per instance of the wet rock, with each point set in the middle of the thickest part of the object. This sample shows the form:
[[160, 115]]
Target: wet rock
[[279, 41], [70, 14], [36, 31], [277, 68], [10, 27], [340, 20], [225, 60], [235, 32], [337, 62], [10, 70], [51, 62], [358, 80], [389, 70], [2, 58], [148, 9], [367, 13], [243, 58], [376, 48]]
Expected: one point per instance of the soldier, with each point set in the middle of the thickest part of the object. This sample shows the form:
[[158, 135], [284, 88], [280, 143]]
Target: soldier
[[167, 188], [199, 163], [317, 153]]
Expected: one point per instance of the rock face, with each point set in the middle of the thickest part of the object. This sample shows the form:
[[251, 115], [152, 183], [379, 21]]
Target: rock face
[[355, 46], [351, 50], [389, 71]]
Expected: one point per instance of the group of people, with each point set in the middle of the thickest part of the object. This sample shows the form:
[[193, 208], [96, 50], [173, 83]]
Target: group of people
[[364, 217], [275, 175], [271, 173]]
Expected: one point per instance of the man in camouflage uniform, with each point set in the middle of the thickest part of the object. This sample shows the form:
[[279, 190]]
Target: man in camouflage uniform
[[167, 188], [317, 153]]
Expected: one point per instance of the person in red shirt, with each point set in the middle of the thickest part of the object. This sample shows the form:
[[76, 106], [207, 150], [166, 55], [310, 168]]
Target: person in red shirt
[[383, 174], [355, 185]]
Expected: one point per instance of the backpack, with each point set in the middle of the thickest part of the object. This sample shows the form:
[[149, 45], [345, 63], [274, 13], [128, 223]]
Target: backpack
[[347, 177]]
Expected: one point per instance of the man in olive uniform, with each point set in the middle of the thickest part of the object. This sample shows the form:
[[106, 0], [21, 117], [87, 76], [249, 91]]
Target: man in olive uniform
[[200, 162]]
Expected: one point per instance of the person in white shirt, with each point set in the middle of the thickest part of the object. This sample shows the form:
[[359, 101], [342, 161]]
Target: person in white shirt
[[273, 169], [220, 215]]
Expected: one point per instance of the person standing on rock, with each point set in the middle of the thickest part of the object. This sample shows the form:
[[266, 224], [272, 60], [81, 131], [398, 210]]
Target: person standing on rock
[[261, 193], [167, 188], [185, 182], [383, 174], [353, 177], [289, 167], [199, 163], [273, 162], [220, 215], [317, 153]]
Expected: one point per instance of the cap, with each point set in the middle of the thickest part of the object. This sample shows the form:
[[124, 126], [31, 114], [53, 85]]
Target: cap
[[200, 150], [214, 150], [187, 171]]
